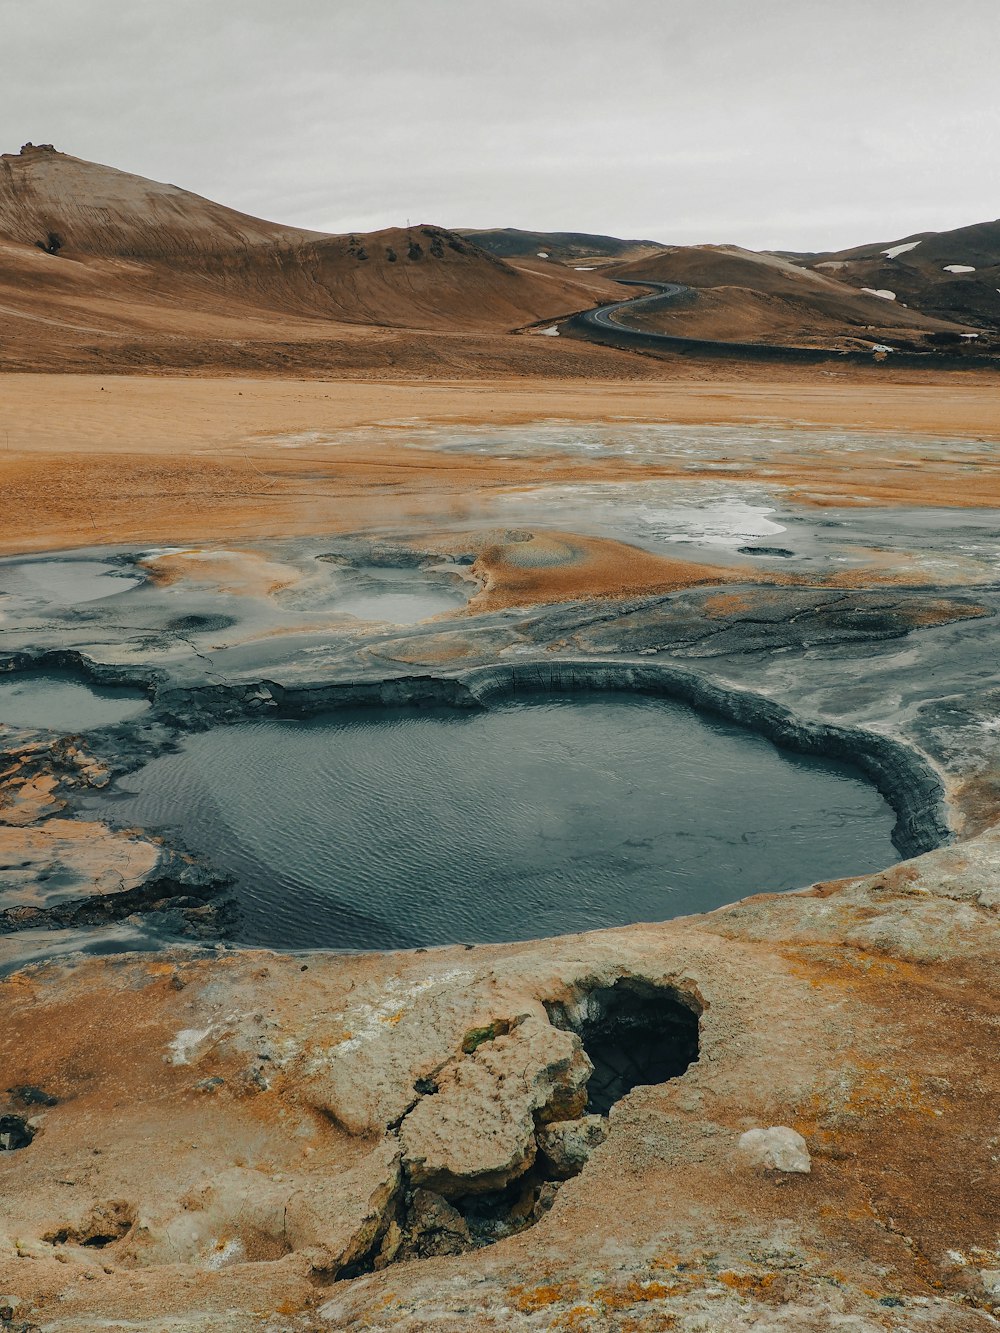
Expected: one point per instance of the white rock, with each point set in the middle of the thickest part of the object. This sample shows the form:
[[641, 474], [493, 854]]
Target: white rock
[[188, 1045], [776, 1149]]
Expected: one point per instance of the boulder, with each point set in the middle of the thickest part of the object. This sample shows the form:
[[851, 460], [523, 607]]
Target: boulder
[[342, 1221], [776, 1149], [567, 1144], [478, 1132], [433, 1227]]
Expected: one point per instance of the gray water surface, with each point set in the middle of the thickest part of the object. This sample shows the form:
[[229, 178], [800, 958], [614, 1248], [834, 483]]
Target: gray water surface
[[63, 703], [65, 582], [397, 828], [400, 596]]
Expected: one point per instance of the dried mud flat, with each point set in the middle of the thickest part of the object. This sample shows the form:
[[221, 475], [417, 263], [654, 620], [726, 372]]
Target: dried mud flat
[[530, 1136]]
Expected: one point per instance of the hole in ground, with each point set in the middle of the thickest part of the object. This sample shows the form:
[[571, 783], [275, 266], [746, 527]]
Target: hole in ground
[[635, 1033], [15, 1132], [107, 1222]]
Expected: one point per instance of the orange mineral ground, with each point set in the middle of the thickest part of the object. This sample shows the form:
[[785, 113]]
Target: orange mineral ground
[[86, 460]]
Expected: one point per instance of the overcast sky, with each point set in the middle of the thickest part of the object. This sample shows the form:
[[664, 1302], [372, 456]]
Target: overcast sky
[[802, 124]]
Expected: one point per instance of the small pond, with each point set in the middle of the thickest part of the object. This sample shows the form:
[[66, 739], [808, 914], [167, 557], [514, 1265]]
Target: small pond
[[395, 828], [63, 703], [65, 583], [401, 596]]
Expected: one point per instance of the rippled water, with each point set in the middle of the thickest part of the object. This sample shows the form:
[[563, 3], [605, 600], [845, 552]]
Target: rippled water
[[63, 703], [401, 828]]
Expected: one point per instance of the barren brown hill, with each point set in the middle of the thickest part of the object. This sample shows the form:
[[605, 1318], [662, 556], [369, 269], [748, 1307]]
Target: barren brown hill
[[569, 247], [745, 296], [100, 267], [952, 274]]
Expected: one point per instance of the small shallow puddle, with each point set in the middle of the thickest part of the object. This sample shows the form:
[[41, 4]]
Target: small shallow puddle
[[400, 596], [382, 830], [64, 703], [65, 582]]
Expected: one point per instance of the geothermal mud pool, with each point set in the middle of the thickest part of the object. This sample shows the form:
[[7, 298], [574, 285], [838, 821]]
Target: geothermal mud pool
[[418, 828], [59, 702]]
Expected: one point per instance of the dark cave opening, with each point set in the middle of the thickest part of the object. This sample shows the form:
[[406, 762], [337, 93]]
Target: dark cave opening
[[635, 1033]]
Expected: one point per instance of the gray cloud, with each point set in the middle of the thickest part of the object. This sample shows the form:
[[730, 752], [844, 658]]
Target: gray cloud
[[794, 123]]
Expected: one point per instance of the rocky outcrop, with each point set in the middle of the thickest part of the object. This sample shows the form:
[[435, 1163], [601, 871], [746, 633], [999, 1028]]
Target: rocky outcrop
[[566, 1145], [511, 1084], [776, 1149], [855, 1017]]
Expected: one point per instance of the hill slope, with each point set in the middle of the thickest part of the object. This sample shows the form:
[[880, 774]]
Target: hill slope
[[745, 296], [570, 247], [88, 252], [59, 202], [952, 274]]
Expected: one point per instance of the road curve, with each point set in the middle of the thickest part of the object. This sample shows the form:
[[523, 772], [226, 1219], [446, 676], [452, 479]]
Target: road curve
[[601, 325], [602, 317]]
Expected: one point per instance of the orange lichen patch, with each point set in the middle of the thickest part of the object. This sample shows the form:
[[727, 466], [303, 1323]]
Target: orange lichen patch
[[897, 878], [827, 888], [530, 1299], [161, 969], [978, 800], [576, 1320], [875, 1091], [750, 1284], [854, 967], [724, 604], [634, 1292], [668, 1261], [428, 648], [649, 1321]]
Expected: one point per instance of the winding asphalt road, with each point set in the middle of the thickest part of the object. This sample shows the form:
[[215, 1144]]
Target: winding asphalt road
[[602, 317], [603, 325]]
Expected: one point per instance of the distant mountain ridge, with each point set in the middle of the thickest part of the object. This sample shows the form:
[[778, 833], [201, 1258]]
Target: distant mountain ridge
[[951, 274], [565, 246], [748, 296]]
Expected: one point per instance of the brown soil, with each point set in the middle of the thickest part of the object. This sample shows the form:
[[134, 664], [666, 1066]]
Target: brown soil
[[741, 296], [554, 566], [93, 459]]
